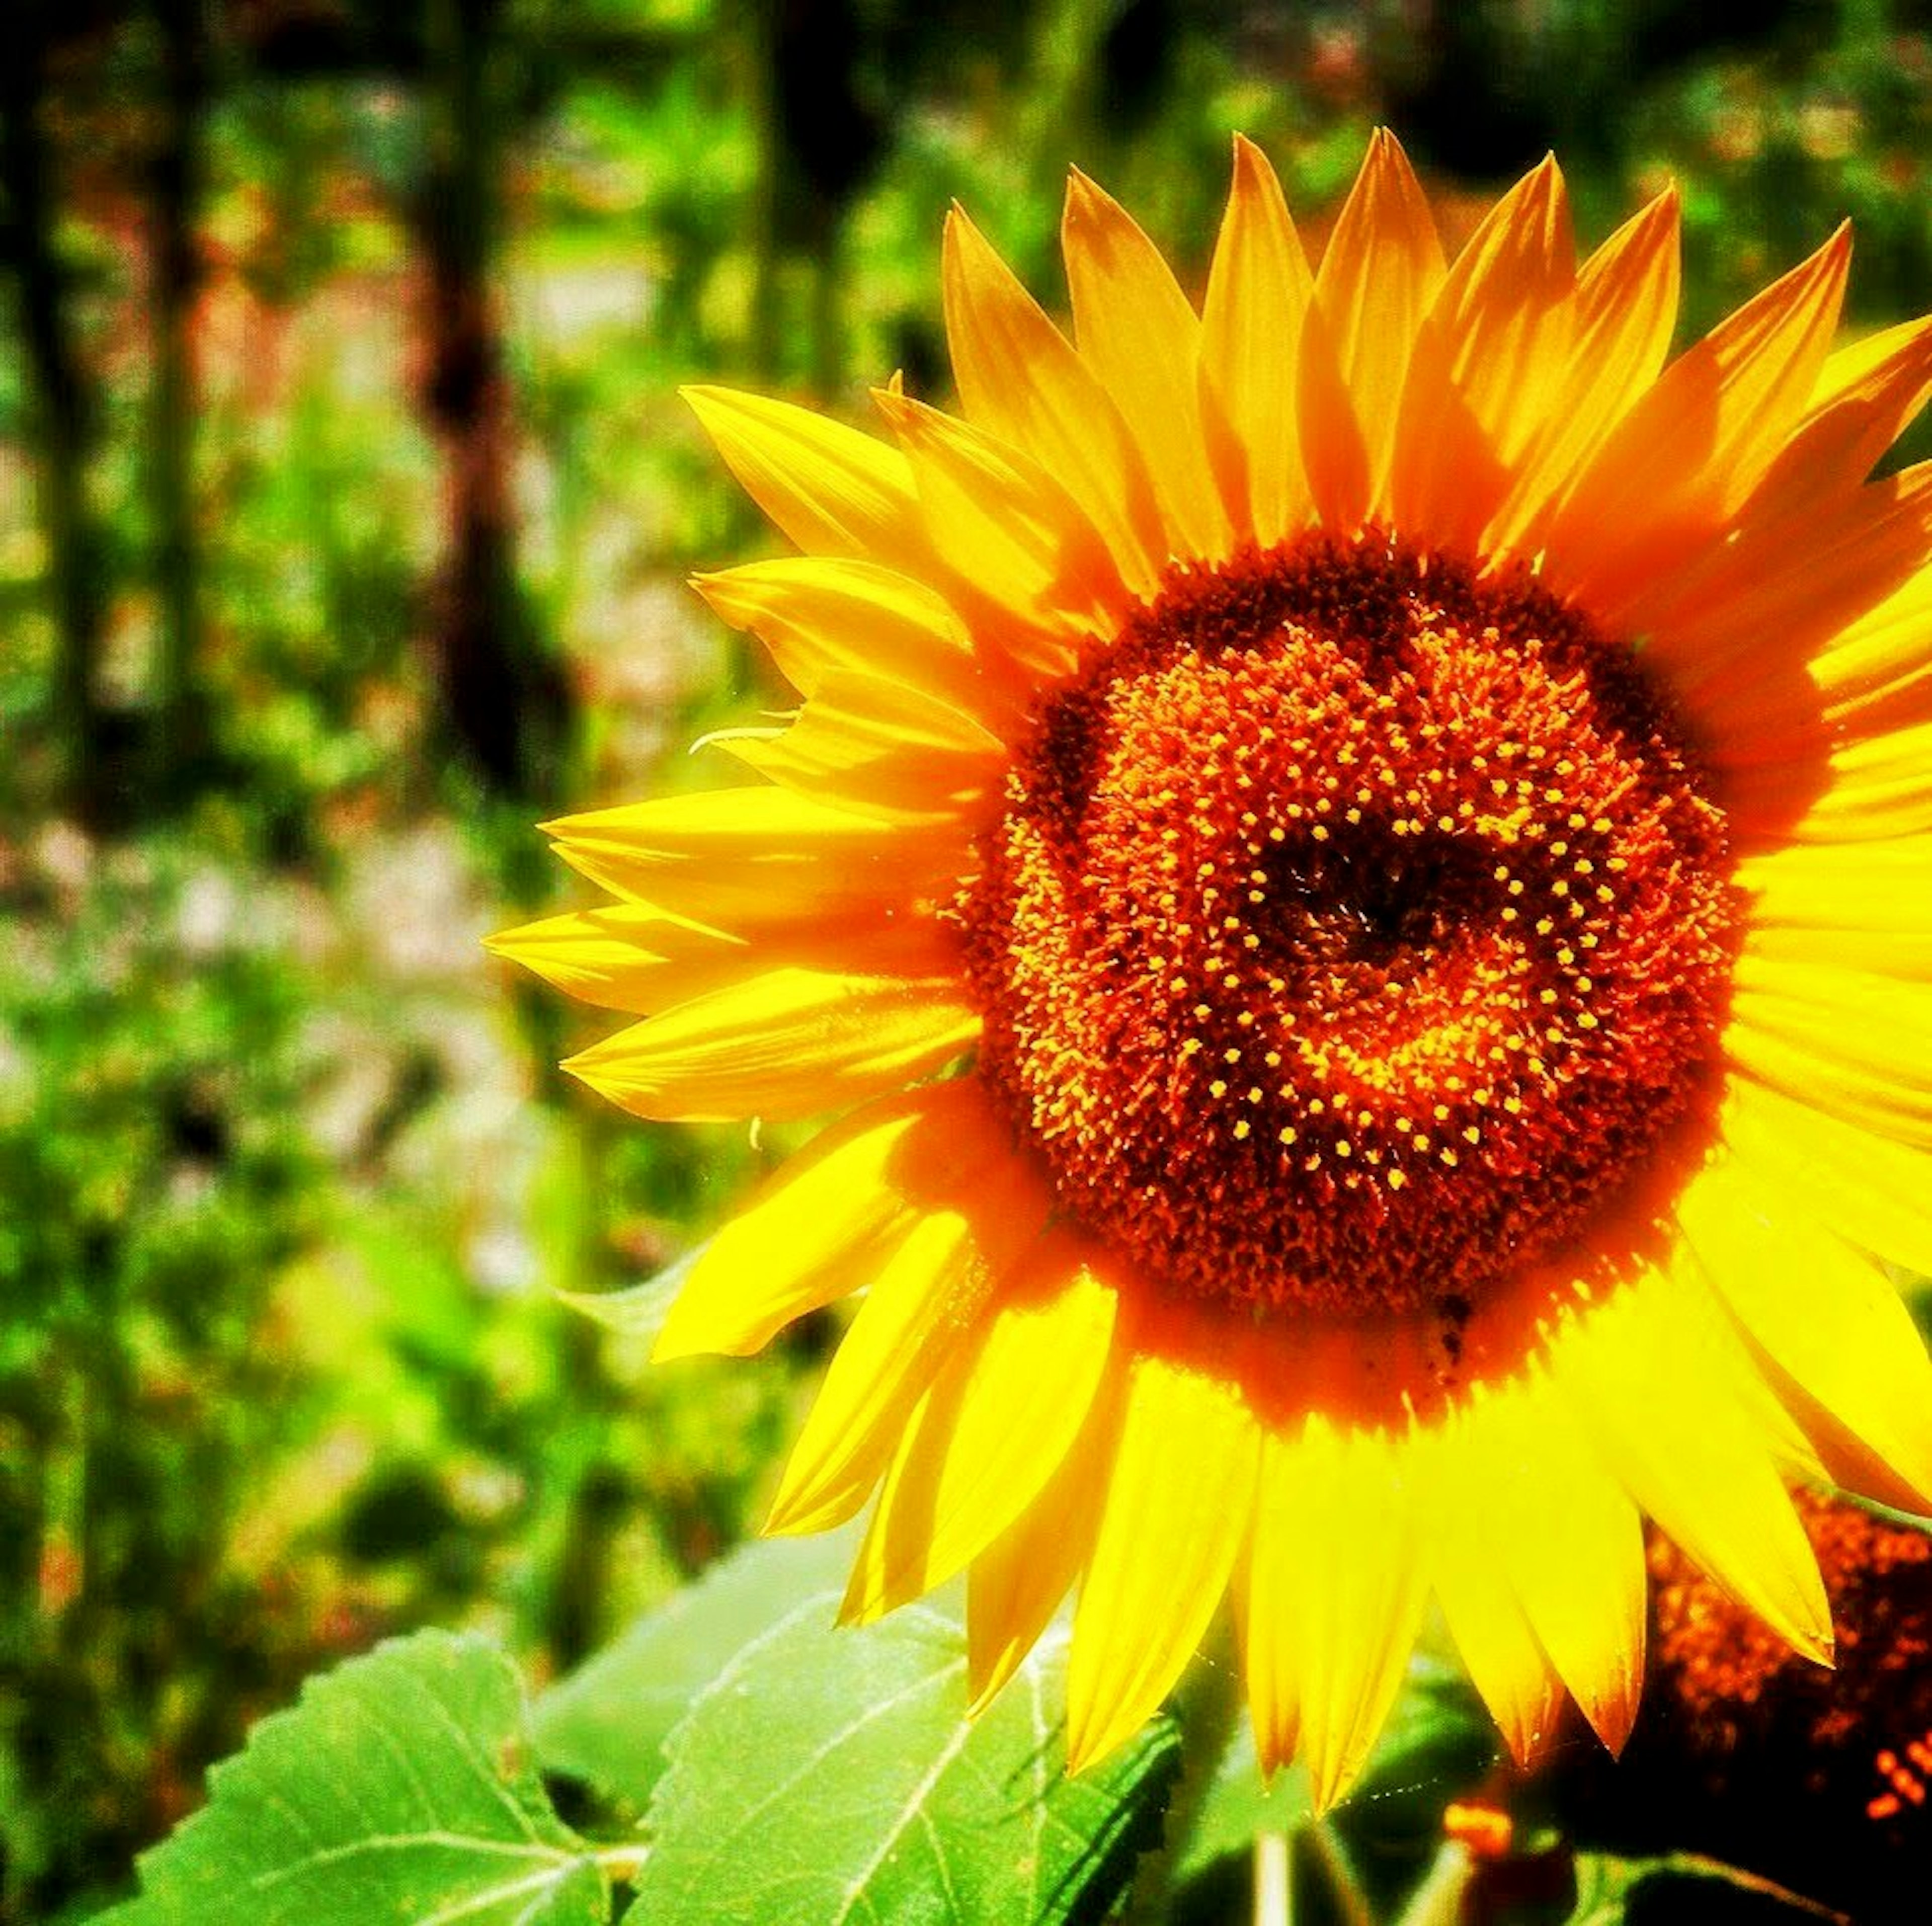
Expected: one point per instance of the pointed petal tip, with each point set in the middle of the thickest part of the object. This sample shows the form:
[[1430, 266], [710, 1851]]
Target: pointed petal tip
[[1612, 1719], [1820, 1647], [1086, 199], [1088, 1747], [1328, 1785]]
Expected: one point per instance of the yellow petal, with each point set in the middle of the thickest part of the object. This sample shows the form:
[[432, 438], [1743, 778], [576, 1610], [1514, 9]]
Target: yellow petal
[[1776, 593], [819, 614], [994, 1427], [1877, 661], [824, 1223], [1684, 458], [1020, 378], [1335, 1587], [833, 491], [791, 1043], [1258, 289], [735, 858], [1138, 332], [635, 959], [1488, 364], [1866, 397], [1825, 1314], [1773, 704], [1871, 1191], [1486, 1619], [1570, 1540], [924, 1299], [1004, 523], [1657, 1380], [1377, 278], [881, 748], [1862, 787], [1857, 1046], [1864, 906], [1016, 1585], [1625, 310], [1178, 1501]]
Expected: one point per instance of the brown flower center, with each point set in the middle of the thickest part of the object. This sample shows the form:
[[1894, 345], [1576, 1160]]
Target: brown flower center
[[1352, 929]]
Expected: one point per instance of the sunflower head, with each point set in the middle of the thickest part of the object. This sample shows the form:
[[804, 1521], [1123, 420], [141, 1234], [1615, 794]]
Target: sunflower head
[[1351, 870]]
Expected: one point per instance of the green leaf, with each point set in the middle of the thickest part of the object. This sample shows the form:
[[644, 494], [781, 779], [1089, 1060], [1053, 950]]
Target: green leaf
[[606, 1724], [830, 1777], [401, 1789]]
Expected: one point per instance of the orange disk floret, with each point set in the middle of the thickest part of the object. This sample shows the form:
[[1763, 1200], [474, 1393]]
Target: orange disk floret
[[1353, 929]]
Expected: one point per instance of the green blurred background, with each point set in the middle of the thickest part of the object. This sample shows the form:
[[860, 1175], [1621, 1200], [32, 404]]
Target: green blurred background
[[345, 504]]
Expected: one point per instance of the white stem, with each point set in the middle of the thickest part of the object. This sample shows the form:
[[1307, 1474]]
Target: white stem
[[1271, 1896]]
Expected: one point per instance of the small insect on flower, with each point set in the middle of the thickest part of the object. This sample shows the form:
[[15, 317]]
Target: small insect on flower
[[1354, 868]]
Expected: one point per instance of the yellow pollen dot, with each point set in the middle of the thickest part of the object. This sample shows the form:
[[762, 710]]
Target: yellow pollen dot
[[1240, 1128], [1217, 1088]]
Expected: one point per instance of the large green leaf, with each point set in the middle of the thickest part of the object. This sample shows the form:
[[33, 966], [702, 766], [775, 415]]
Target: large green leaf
[[606, 1724], [401, 1789], [830, 1777]]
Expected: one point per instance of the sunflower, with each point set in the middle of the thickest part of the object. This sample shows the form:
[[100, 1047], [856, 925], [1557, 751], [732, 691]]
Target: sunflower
[[1354, 867]]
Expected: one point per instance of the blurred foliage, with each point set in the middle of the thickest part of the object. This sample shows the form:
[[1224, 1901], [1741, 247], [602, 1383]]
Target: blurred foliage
[[344, 500]]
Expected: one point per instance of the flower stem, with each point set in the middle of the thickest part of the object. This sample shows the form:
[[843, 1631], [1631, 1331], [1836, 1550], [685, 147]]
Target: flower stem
[[1274, 1903]]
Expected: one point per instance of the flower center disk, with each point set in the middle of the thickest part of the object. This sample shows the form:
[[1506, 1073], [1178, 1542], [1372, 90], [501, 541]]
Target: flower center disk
[[1354, 932]]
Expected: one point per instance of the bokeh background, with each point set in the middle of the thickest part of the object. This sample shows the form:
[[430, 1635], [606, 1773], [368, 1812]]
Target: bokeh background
[[345, 502]]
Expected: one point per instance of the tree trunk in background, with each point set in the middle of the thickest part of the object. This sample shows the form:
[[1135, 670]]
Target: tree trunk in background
[[63, 414], [174, 268], [504, 699]]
